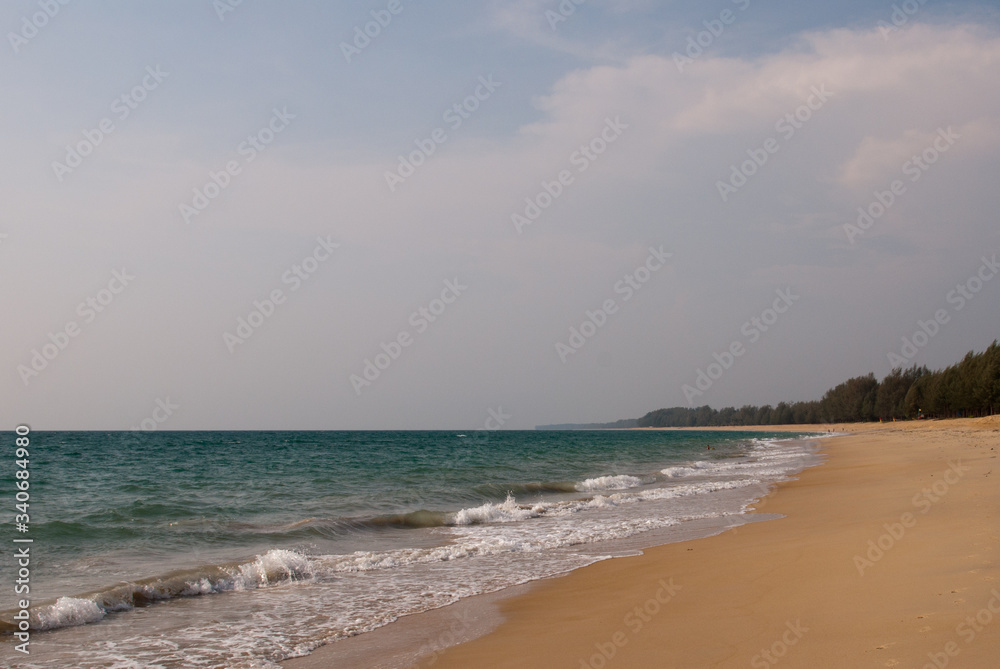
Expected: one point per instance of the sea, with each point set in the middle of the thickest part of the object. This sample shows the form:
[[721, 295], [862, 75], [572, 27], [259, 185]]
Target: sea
[[241, 549]]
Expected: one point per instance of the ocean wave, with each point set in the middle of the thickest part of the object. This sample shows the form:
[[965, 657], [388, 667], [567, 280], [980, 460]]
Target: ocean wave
[[766, 458], [681, 471], [534, 488], [272, 568], [508, 511], [68, 612], [762, 467], [473, 538], [620, 482]]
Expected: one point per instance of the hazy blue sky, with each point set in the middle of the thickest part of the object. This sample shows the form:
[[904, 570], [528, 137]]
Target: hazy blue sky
[[680, 186]]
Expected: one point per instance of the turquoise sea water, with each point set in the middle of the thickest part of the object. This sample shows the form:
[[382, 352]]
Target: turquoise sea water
[[238, 549]]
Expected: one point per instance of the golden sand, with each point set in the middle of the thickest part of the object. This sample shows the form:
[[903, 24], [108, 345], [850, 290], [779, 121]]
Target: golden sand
[[887, 557]]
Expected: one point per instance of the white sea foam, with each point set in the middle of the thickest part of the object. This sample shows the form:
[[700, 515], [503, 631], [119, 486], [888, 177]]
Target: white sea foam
[[274, 567], [548, 529], [620, 482], [508, 511], [68, 612], [680, 471], [767, 458]]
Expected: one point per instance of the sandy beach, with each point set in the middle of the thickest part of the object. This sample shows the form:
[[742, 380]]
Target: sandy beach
[[887, 556]]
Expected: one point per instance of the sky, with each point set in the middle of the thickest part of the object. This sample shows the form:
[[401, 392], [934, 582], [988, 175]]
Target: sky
[[494, 214]]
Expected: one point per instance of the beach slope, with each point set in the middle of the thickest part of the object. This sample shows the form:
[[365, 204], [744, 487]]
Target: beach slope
[[887, 557]]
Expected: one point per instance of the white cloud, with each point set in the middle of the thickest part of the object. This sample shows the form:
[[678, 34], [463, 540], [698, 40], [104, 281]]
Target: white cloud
[[656, 184]]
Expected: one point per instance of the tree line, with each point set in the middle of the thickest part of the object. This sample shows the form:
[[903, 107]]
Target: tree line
[[969, 388]]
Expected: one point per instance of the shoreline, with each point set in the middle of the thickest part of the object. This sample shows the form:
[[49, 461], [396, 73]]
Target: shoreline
[[418, 639], [434, 631], [805, 590], [885, 553]]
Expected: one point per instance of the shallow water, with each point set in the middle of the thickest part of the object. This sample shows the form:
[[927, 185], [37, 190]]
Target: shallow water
[[239, 549]]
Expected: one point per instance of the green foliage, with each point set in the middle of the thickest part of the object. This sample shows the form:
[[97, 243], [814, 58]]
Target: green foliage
[[970, 388]]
